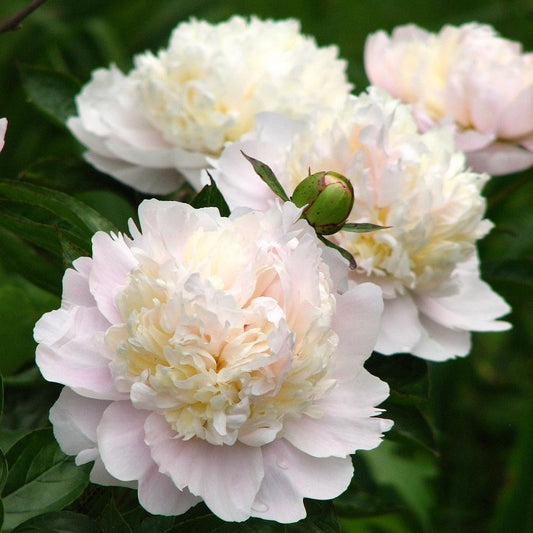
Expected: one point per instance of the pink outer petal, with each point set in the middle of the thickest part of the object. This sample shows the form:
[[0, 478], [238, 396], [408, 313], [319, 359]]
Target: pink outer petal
[[94, 142], [379, 61], [517, 118], [470, 140], [227, 478], [400, 326], [236, 179], [120, 436], [527, 143], [475, 308], [76, 284], [112, 263], [146, 180], [291, 475], [67, 352], [75, 420], [3, 128], [357, 322], [439, 343], [500, 158], [159, 495], [346, 425], [101, 476]]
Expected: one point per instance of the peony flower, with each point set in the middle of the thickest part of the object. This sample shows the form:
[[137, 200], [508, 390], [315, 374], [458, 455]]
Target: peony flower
[[426, 262], [468, 76], [3, 128], [161, 120], [215, 359]]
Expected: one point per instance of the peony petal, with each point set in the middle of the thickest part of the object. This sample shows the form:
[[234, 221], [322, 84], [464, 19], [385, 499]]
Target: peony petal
[[101, 476], [475, 308], [291, 475], [471, 140], [516, 120], [439, 343], [75, 419], [121, 442], [112, 262], [67, 353], [400, 326], [500, 158], [159, 495], [146, 180], [356, 322], [236, 178], [345, 425], [76, 284], [3, 128], [227, 478]]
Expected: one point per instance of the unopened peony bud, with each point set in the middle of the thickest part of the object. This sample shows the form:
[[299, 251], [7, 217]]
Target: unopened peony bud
[[329, 199]]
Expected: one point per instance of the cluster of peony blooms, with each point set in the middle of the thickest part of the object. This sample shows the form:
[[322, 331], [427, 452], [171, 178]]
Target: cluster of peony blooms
[[425, 261], [220, 359], [467, 76]]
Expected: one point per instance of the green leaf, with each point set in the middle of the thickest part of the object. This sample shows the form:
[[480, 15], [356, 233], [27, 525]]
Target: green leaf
[[407, 376], [59, 522], [408, 471], [111, 521], [266, 174], [1, 396], [37, 267], [8, 437], [3, 470], [409, 423], [21, 305], [362, 227], [50, 220], [41, 478], [210, 196], [61, 205], [53, 93], [519, 271], [26, 407]]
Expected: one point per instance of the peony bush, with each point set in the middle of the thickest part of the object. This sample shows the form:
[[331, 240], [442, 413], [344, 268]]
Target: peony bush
[[226, 358]]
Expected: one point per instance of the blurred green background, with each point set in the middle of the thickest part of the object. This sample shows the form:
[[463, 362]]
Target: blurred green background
[[480, 478]]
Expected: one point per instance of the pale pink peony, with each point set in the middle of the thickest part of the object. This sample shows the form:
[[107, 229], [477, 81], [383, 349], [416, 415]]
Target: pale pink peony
[[3, 128], [426, 262], [215, 359], [160, 121], [468, 76]]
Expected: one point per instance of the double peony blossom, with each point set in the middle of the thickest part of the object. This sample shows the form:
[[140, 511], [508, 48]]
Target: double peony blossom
[[3, 128], [468, 76], [215, 359], [426, 262], [159, 122]]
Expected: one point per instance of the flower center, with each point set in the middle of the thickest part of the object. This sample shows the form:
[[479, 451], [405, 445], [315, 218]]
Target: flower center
[[214, 367]]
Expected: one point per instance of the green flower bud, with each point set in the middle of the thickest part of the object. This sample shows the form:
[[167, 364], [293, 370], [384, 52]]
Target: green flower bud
[[328, 197]]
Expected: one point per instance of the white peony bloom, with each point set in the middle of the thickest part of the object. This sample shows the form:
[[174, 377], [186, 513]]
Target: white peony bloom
[[468, 76], [160, 121], [215, 359], [426, 262], [3, 128]]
